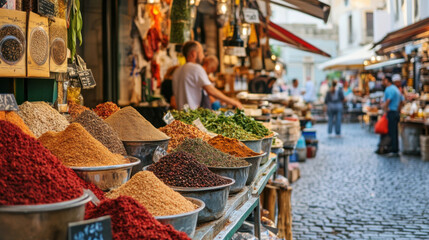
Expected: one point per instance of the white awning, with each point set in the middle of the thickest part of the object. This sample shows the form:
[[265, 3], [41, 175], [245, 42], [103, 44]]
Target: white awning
[[385, 64], [353, 60]]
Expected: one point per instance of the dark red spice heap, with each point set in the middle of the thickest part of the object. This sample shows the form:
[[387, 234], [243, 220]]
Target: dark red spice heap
[[97, 192], [29, 173], [130, 220], [181, 169]]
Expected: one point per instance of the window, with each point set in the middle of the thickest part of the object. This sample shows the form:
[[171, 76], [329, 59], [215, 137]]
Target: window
[[369, 24], [350, 28], [346, 2], [396, 9], [416, 8]]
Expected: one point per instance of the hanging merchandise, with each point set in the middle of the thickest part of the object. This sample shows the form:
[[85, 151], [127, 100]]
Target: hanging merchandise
[[58, 46], [37, 46], [74, 23], [12, 43], [180, 22]]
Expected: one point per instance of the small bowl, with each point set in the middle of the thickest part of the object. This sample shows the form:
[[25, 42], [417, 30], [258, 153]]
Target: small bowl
[[255, 145], [239, 174], [255, 161], [107, 177]]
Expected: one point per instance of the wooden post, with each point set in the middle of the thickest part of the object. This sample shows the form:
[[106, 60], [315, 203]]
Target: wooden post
[[284, 223], [270, 197]]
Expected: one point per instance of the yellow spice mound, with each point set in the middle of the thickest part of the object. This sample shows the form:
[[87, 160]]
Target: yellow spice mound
[[75, 147], [154, 195], [14, 118]]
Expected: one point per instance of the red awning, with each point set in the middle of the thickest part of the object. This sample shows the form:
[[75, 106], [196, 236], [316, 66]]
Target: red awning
[[413, 32], [278, 33]]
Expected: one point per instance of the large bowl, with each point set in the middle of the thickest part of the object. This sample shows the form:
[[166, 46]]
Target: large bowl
[[185, 222], [255, 161], [255, 145], [239, 174], [215, 199], [266, 147], [145, 151], [42, 221], [107, 177]]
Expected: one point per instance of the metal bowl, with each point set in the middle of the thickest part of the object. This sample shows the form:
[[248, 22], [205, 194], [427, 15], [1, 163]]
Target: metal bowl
[[145, 151], [42, 221], [107, 177], [215, 199], [255, 145], [255, 161], [184, 222], [266, 147], [239, 174]]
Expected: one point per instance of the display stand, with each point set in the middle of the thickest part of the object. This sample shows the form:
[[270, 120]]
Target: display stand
[[239, 207]]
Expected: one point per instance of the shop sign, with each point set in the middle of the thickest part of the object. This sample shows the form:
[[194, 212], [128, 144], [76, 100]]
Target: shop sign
[[168, 118], [8, 102], [45, 8], [86, 79], [251, 15], [94, 229]]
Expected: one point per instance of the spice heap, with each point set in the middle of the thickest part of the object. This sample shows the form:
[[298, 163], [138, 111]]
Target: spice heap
[[29, 173], [17, 120], [76, 109], [181, 169], [219, 124], [158, 198], [101, 131], [105, 110], [130, 220], [232, 146], [179, 131], [40, 118], [250, 125], [131, 126], [77, 148], [208, 155]]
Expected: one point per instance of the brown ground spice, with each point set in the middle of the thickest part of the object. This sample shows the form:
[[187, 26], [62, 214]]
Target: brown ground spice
[[131, 126], [179, 131], [14, 118], [75, 147], [154, 195], [232, 146]]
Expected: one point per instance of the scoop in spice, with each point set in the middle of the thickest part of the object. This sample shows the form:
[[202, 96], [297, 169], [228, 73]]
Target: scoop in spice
[[158, 198], [179, 131], [183, 170], [131, 126], [232, 146], [75, 147]]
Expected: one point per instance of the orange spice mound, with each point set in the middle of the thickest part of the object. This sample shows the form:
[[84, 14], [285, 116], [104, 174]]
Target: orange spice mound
[[75, 110], [232, 146], [179, 131], [14, 118], [75, 147], [105, 110]]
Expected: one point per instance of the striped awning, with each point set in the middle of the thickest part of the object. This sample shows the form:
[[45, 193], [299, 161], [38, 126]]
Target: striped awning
[[280, 34]]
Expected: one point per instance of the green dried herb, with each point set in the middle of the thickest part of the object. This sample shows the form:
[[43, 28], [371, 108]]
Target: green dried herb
[[250, 125]]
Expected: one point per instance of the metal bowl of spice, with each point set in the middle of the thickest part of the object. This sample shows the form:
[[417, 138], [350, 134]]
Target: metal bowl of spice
[[239, 174], [255, 145], [185, 222], [145, 151], [41, 221], [108, 177], [215, 199], [267, 142], [255, 161]]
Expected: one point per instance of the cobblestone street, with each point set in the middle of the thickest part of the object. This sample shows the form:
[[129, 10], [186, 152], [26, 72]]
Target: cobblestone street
[[348, 191]]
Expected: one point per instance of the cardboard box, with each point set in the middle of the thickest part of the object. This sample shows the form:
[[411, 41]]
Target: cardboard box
[[37, 46], [58, 45], [12, 36]]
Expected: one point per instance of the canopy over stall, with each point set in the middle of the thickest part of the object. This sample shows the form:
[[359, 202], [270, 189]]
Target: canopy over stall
[[384, 64], [353, 60], [314, 8], [395, 40]]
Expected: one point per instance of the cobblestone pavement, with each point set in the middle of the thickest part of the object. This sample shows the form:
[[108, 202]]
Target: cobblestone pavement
[[349, 192]]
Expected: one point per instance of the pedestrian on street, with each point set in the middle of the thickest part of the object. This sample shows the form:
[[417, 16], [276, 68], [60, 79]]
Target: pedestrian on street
[[334, 100], [392, 101]]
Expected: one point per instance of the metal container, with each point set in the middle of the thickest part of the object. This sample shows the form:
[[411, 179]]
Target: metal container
[[107, 177], [215, 199], [255, 145], [42, 221], [185, 222], [266, 147], [255, 161], [239, 174], [145, 151]]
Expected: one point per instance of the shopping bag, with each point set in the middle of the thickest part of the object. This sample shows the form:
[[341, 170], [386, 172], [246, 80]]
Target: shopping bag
[[382, 125]]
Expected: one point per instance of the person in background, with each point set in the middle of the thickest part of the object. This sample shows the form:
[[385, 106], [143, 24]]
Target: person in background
[[309, 91], [294, 90], [391, 105], [190, 79], [167, 86], [334, 100], [210, 65]]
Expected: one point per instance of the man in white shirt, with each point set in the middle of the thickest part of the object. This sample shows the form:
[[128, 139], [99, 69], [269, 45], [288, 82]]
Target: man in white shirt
[[309, 91], [294, 91], [190, 79]]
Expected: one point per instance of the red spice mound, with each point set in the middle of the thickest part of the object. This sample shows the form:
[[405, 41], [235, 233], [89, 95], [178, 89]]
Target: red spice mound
[[104, 110], [130, 220], [29, 173], [97, 192]]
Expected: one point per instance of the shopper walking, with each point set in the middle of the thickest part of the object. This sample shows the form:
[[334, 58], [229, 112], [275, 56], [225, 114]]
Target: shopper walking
[[334, 100]]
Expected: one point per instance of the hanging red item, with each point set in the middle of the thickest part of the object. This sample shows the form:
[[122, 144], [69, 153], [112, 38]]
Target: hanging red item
[[382, 125], [156, 72]]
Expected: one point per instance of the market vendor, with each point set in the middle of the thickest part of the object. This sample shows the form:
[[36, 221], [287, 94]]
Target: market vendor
[[190, 80]]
